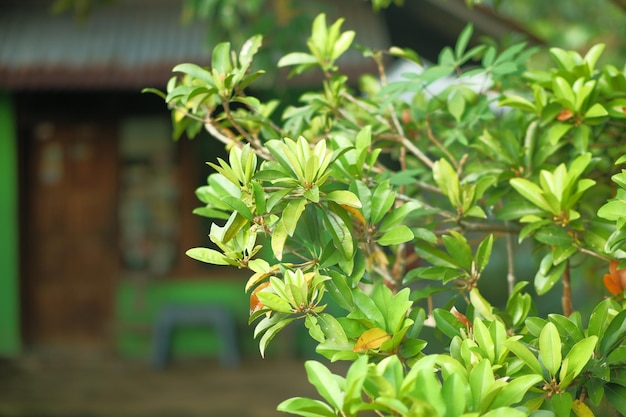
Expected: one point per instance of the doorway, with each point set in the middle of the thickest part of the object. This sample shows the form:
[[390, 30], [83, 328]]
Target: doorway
[[70, 256]]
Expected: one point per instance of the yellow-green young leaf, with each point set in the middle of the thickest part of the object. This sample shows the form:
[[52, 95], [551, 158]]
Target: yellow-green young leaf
[[259, 265], [456, 105], [448, 181], [274, 302], [271, 332], [325, 382], [613, 210], [279, 236], [207, 255], [483, 338], [578, 357], [481, 380], [344, 197], [306, 407], [531, 192], [522, 352], [502, 412], [292, 214], [550, 348], [371, 339], [517, 102], [296, 58], [342, 44], [481, 306], [563, 91], [515, 390], [557, 131]]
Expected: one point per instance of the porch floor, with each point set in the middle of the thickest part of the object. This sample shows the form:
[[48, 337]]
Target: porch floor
[[100, 386]]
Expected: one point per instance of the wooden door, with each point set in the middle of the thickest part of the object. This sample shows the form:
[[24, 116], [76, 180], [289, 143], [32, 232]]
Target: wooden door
[[71, 257]]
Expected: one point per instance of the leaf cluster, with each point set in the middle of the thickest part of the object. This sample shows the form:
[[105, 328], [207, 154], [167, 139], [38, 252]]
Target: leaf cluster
[[369, 218]]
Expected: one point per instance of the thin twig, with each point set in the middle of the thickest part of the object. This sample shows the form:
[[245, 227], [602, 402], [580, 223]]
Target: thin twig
[[594, 254], [566, 300], [402, 139], [438, 144], [510, 276]]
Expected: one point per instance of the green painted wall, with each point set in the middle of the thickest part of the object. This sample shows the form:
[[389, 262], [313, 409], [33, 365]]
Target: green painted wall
[[138, 304], [9, 256]]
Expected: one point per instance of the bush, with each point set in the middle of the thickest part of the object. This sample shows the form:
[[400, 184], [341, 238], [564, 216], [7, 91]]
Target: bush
[[388, 210]]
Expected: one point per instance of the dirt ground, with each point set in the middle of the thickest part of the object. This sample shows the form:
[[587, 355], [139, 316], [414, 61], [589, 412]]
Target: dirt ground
[[101, 386]]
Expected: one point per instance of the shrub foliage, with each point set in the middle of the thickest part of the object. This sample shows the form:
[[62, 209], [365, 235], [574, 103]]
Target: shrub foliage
[[368, 217]]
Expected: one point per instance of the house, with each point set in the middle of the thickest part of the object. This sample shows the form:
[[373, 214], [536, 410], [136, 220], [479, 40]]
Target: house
[[97, 198]]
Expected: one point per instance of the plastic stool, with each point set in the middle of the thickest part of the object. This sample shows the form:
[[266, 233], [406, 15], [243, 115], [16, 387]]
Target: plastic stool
[[171, 316]]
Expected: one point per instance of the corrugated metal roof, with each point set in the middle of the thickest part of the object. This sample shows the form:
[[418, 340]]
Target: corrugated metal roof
[[136, 43], [130, 44], [125, 45]]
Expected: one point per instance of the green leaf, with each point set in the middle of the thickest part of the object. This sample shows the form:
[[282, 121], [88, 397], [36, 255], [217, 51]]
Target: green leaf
[[395, 236], [614, 334], [447, 323], [274, 302], [344, 197], [557, 131], [550, 348], [220, 58], [454, 395], [448, 181], [481, 305], [366, 309], [340, 233], [517, 102], [325, 383], [463, 41], [456, 245], [562, 404], [207, 255], [292, 214], [616, 394], [596, 110], [456, 105], [195, 71], [483, 253], [547, 275], [271, 332], [435, 256], [553, 236], [382, 200], [239, 206], [306, 407], [505, 412], [514, 391], [598, 321], [522, 352], [578, 357], [483, 338], [342, 44], [563, 91], [531, 192], [248, 50], [617, 356], [405, 53], [481, 380], [279, 237], [396, 216], [613, 210]]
